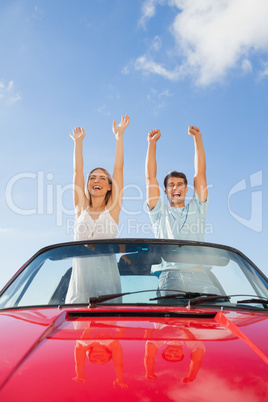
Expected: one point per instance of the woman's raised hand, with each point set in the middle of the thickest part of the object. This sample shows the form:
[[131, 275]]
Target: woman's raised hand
[[78, 134], [119, 130]]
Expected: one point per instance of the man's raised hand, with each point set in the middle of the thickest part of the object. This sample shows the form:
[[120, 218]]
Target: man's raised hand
[[193, 131], [154, 135]]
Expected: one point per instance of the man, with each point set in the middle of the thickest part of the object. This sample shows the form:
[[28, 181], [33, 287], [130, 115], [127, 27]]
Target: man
[[172, 341], [177, 221]]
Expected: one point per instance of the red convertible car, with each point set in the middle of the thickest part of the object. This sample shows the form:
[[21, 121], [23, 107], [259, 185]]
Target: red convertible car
[[135, 320]]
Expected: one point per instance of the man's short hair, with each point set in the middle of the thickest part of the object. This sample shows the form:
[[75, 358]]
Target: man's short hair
[[175, 174]]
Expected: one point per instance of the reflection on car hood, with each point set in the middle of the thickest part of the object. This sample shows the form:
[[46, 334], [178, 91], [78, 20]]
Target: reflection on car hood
[[132, 354]]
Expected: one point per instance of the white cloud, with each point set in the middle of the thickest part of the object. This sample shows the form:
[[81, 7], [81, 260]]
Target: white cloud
[[264, 71], [126, 69], [104, 110], [246, 66], [148, 10], [156, 44], [86, 22], [211, 37], [149, 66], [146, 64], [10, 86], [5, 231], [38, 13], [158, 99], [154, 93], [8, 93]]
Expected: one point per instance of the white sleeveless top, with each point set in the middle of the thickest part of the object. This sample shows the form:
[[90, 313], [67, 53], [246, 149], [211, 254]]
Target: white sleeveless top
[[94, 276], [87, 228]]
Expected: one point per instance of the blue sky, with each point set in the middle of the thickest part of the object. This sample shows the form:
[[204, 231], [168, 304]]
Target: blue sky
[[168, 64]]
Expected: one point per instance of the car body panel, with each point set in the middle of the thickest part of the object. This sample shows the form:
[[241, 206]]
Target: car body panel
[[148, 343], [42, 364]]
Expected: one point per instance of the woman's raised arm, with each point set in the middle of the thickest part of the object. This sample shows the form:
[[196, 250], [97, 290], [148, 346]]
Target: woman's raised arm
[[79, 196], [118, 181]]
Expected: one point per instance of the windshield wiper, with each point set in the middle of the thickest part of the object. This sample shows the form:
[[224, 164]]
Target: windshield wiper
[[101, 299], [261, 300], [202, 299], [193, 297]]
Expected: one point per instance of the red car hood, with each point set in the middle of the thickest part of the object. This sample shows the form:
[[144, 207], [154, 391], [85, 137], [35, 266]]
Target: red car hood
[[132, 354]]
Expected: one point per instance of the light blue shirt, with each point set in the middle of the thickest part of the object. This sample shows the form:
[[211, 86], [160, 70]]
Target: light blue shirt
[[186, 223]]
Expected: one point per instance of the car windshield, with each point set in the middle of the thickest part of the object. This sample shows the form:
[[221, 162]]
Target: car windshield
[[137, 272]]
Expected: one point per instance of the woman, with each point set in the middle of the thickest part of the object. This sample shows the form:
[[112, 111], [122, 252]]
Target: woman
[[97, 208]]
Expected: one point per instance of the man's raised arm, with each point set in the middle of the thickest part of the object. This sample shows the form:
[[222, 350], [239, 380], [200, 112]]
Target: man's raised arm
[[200, 179], [152, 185]]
